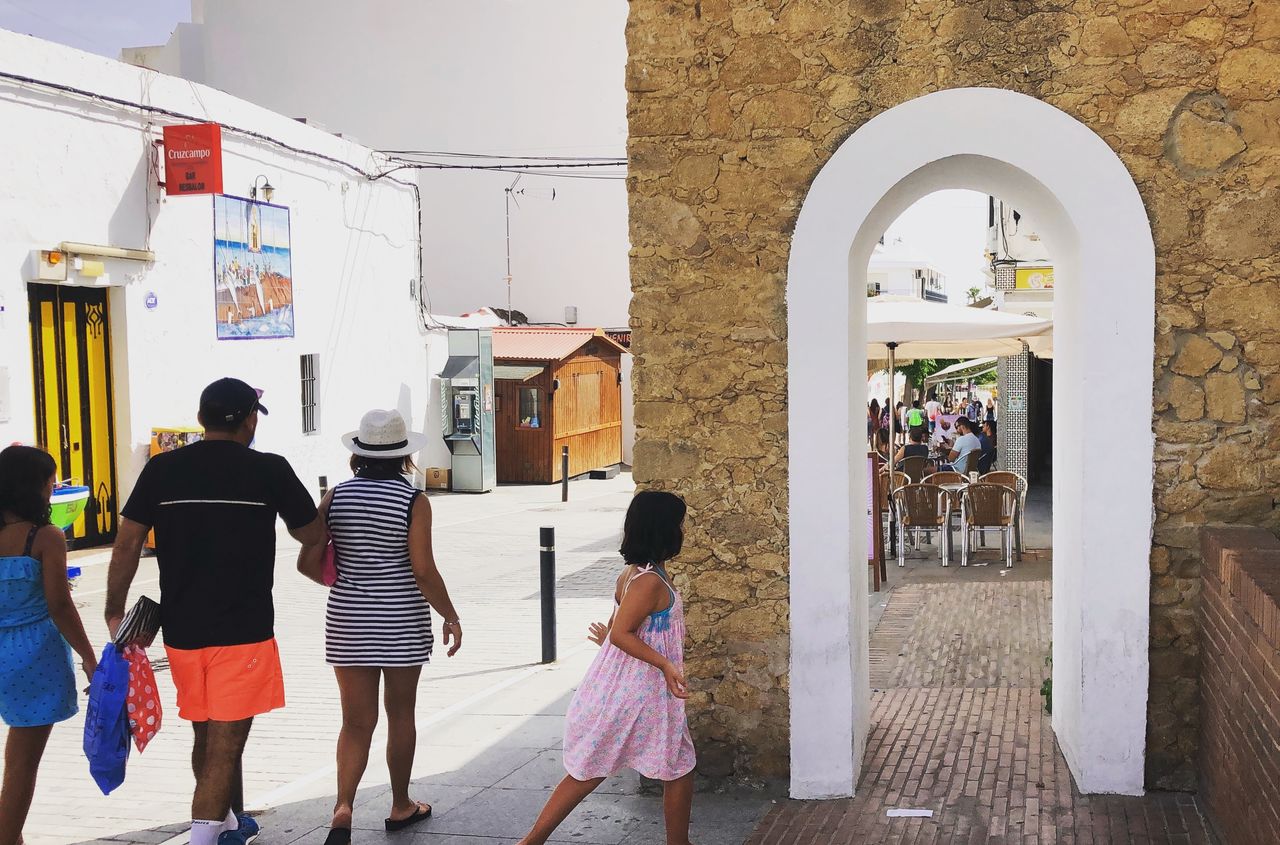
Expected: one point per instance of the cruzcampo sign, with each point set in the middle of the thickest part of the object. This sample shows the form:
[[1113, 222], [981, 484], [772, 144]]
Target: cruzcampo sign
[[193, 159]]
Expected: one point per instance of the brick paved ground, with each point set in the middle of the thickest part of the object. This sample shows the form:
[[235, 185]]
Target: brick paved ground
[[958, 728]]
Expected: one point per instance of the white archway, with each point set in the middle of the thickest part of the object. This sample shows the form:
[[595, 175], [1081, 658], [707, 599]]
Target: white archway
[[1086, 206]]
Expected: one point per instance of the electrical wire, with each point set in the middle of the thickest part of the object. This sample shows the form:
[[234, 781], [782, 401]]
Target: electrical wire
[[432, 165], [426, 319], [502, 156], [530, 169], [621, 177]]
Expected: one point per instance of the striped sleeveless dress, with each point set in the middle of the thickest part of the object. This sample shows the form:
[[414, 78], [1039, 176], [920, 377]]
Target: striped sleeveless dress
[[376, 614]]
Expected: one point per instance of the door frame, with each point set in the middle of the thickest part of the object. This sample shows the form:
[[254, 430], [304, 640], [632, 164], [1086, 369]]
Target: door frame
[[63, 452], [1089, 211]]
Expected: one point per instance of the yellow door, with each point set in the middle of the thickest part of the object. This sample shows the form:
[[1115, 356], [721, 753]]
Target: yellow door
[[75, 422]]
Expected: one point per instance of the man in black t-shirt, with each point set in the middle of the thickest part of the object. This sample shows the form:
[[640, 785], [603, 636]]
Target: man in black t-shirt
[[213, 506]]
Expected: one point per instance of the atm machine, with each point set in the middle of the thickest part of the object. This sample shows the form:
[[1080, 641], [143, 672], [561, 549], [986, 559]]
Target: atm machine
[[466, 393]]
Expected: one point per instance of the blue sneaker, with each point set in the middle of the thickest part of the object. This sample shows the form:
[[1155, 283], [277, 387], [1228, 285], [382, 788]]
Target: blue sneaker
[[246, 833], [248, 827]]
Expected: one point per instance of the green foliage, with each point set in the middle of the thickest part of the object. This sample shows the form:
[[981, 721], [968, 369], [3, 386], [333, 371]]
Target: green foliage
[[1046, 688], [974, 293], [917, 371]]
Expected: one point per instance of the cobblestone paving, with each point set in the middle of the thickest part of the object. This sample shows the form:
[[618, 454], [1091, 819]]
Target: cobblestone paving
[[958, 728], [984, 761], [929, 636]]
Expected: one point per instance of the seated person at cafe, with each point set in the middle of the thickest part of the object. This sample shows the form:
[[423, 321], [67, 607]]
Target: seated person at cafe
[[965, 444], [916, 448], [987, 436], [943, 435]]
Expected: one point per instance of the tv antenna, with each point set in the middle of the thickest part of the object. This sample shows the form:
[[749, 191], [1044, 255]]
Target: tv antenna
[[513, 194]]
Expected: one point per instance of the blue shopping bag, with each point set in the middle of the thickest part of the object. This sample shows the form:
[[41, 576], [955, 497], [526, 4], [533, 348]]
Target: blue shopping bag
[[106, 723]]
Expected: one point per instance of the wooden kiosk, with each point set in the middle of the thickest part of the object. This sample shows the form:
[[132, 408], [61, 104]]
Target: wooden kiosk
[[556, 387]]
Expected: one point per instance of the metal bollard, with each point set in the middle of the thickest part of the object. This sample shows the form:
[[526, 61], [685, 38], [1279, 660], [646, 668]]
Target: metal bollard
[[564, 473], [547, 567]]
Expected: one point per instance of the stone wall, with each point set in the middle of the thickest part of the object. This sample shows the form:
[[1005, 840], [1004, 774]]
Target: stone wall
[[734, 107], [1240, 683]]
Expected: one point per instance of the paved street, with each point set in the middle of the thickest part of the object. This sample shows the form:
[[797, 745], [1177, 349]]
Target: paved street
[[959, 730], [490, 718]]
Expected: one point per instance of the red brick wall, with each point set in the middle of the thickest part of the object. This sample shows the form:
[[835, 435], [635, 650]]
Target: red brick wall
[[1240, 683]]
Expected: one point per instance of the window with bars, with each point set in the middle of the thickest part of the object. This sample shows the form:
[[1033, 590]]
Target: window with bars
[[310, 406]]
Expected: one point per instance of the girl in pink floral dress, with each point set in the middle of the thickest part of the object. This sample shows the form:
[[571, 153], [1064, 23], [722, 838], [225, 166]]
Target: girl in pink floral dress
[[628, 713]]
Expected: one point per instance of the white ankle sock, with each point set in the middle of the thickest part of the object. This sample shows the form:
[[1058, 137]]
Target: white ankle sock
[[231, 822], [205, 832]]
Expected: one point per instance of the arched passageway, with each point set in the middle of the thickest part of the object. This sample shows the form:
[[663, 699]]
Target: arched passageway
[[1091, 215]]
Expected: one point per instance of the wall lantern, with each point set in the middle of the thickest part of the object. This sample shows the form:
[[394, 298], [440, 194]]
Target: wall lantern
[[267, 190]]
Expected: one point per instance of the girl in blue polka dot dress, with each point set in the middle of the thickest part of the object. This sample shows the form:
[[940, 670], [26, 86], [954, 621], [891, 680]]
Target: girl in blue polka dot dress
[[37, 621]]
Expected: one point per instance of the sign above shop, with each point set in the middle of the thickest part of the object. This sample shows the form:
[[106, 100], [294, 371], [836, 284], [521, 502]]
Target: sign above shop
[[193, 159], [151, 301], [1033, 278]]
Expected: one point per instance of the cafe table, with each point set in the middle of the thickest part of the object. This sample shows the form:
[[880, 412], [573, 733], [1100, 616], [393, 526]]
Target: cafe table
[[953, 489]]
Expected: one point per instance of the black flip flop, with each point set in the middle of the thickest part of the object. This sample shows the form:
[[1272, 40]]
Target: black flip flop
[[401, 824], [338, 836]]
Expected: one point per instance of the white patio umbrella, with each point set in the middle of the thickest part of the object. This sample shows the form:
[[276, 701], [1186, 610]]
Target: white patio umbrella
[[906, 328]]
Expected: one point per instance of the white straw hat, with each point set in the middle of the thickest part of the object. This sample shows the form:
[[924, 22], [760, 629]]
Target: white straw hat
[[383, 434]]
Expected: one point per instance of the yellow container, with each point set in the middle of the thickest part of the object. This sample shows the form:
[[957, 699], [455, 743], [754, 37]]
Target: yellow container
[[167, 440]]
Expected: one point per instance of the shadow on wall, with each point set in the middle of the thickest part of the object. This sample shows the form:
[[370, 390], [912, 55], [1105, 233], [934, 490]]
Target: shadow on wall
[[128, 228]]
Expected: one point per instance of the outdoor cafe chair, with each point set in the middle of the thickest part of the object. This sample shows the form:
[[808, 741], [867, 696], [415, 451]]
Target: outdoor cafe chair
[[947, 477], [896, 480], [914, 467], [922, 509], [1018, 485], [983, 508]]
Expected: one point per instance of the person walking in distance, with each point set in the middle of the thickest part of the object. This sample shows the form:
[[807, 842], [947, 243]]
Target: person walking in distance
[[629, 711], [213, 506], [39, 628], [915, 416], [933, 408], [378, 622], [974, 410]]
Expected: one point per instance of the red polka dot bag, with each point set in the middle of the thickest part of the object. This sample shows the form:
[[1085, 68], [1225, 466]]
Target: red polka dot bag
[[143, 700]]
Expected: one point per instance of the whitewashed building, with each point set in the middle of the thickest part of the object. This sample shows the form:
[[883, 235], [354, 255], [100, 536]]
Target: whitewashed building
[[492, 77], [1019, 268], [499, 76], [895, 269], [1020, 271], [121, 335]]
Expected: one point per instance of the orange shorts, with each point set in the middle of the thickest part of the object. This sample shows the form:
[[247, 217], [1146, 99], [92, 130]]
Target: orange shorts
[[227, 683]]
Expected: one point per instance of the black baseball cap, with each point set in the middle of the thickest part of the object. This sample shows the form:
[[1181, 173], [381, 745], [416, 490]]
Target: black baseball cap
[[229, 400]]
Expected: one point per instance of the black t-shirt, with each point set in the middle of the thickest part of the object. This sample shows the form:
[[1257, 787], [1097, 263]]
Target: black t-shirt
[[213, 506]]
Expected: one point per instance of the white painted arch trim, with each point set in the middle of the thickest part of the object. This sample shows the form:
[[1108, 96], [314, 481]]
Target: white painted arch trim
[[1084, 202]]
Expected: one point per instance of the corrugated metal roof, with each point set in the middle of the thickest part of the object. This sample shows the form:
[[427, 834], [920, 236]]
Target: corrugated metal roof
[[521, 344]]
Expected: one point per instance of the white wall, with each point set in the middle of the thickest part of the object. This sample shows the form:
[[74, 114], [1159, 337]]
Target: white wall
[[77, 170], [492, 76], [1020, 239], [495, 76], [1097, 228]]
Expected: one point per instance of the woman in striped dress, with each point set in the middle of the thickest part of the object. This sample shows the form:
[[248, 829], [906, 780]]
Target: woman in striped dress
[[378, 620]]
